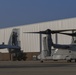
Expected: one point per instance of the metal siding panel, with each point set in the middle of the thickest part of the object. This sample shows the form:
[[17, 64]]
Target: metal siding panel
[[30, 42], [2, 35]]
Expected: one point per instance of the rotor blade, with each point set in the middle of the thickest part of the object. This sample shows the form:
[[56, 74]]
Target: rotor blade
[[40, 32], [48, 31], [70, 34], [58, 31]]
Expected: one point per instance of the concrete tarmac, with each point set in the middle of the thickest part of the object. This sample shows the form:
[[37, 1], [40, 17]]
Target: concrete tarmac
[[37, 68]]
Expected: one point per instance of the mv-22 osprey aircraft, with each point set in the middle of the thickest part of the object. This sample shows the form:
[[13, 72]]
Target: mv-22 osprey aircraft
[[13, 46], [67, 52]]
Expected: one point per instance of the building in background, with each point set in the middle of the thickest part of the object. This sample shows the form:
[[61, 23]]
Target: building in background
[[30, 43]]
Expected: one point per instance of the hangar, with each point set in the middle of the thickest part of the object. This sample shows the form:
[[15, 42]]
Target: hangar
[[30, 43]]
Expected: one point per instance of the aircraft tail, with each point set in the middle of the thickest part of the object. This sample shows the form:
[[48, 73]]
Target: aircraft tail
[[14, 37], [14, 46], [47, 44]]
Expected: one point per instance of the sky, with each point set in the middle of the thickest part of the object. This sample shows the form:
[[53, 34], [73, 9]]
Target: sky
[[23, 12]]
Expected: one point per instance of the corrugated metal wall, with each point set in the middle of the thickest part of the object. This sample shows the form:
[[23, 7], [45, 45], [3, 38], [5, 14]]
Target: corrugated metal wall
[[30, 42]]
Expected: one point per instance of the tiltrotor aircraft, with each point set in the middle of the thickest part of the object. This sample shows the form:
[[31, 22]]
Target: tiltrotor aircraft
[[13, 46], [67, 52]]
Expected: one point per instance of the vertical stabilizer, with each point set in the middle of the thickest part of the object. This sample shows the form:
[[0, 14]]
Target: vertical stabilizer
[[47, 44], [15, 37]]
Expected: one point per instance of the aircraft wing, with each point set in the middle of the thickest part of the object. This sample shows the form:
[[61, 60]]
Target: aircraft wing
[[9, 47], [61, 46]]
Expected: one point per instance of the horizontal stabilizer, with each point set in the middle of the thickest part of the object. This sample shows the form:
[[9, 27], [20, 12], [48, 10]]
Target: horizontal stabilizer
[[9, 47]]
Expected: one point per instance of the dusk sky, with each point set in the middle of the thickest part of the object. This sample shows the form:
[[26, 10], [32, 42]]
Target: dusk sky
[[23, 12]]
